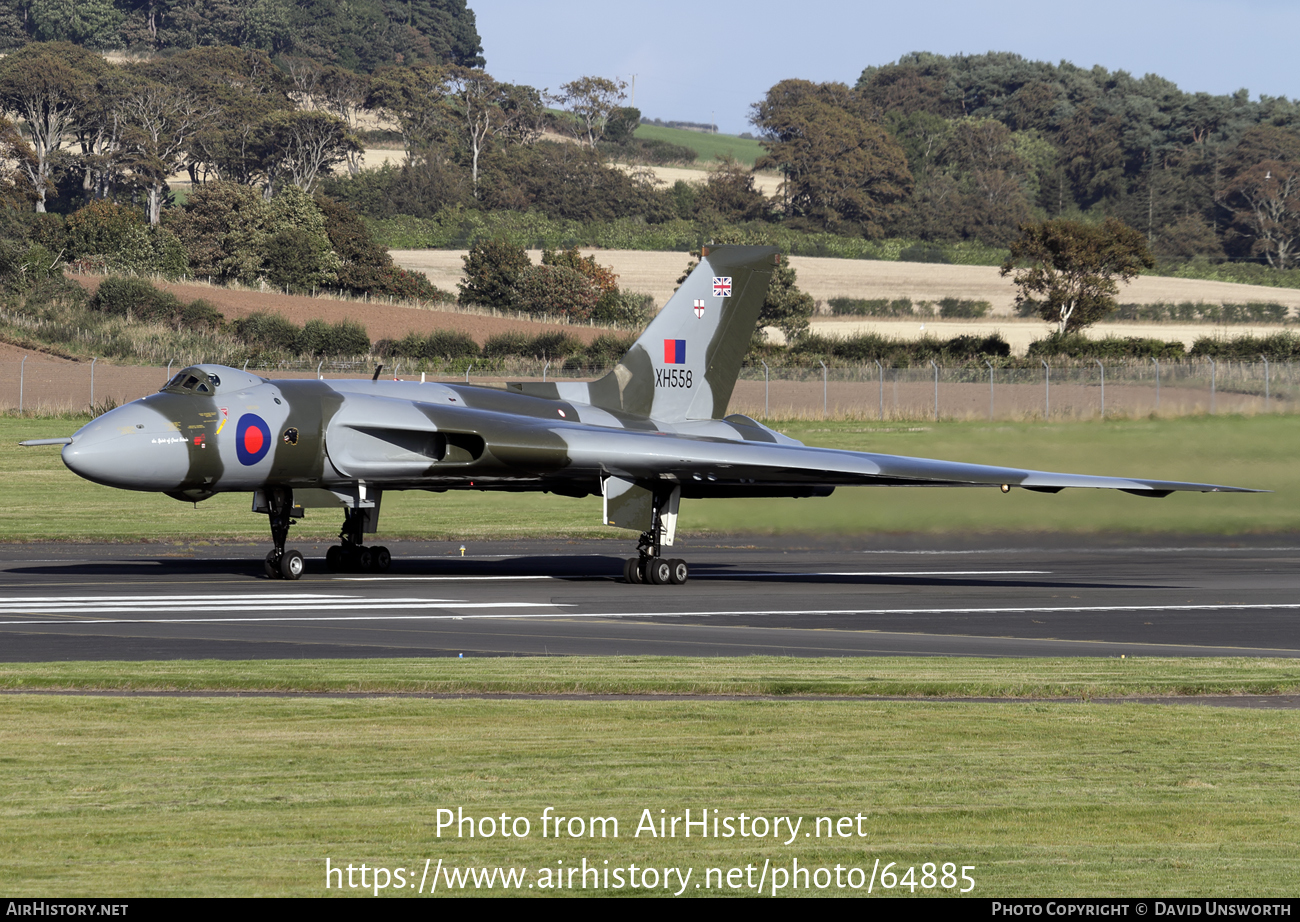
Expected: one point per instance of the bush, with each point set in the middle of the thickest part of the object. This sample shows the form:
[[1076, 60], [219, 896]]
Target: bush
[[133, 297], [963, 308], [554, 345], [556, 290], [1188, 311], [871, 307], [492, 268], [503, 345], [624, 308], [200, 315], [606, 350], [1078, 346], [923, 253], [270, 332], [318, 338], [118, 239], [440, 345], [1278, 347]]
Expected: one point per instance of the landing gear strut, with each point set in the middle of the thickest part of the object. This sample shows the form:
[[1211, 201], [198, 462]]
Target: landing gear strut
[[281, 564], [351, 554], [650, 566]]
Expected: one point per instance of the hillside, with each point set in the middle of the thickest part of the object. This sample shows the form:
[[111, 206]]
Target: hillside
[[708, 147]]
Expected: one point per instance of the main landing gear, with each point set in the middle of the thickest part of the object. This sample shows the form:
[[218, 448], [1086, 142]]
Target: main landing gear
[[650, 566], [351, 555], [282, 564]]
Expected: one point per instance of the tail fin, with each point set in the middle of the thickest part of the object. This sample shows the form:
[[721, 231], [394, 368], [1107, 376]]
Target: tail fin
[[686, 363]]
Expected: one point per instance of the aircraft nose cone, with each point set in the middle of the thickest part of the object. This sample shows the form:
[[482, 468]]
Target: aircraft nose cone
[[132, 448]]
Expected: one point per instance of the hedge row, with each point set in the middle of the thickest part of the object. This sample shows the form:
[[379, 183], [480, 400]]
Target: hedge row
[[274, 333], [1193, 312], [953, 308]]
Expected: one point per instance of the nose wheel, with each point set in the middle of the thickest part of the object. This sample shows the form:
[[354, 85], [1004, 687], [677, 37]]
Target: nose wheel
[[282, 564]]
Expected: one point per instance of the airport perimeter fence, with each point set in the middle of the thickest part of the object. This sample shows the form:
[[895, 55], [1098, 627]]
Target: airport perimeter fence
[[1051, 391]]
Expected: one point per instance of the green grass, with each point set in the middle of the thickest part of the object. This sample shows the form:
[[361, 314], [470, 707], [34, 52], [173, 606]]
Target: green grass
[[1083, 678], [242, 797], [708, 147], [47, 502]]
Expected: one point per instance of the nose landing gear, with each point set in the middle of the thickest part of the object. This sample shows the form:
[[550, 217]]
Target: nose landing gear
[[280, 510]]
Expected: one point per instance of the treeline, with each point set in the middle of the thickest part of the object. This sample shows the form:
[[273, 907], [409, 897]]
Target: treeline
[[993, 139], [360, 35]]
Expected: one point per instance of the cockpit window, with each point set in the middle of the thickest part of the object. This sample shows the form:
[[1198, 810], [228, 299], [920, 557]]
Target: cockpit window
[[193, 381]]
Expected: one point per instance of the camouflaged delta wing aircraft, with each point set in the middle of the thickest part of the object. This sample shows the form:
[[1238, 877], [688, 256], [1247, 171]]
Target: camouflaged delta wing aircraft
[[651, 432]]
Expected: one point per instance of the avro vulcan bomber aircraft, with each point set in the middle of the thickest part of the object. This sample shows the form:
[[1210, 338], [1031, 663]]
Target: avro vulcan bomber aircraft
[[651, 432]]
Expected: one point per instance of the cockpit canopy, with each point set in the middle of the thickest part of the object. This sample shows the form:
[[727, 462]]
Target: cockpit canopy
[[193, 381], [207, 380]]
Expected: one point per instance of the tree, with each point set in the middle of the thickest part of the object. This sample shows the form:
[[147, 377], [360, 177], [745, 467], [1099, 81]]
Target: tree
[[786, 307], [1263, 186], [838, 166], [492, 268], [160, 121], [1070, 271], [306, 144], [591, 100], [45, 87]]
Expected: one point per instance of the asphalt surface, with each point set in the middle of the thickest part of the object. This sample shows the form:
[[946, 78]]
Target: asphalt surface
[[1008, 596]]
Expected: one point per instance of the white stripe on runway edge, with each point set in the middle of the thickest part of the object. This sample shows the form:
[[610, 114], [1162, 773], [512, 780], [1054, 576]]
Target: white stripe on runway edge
[[480, 606]]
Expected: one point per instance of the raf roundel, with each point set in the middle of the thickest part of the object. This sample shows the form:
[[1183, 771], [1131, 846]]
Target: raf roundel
[[252, 439]]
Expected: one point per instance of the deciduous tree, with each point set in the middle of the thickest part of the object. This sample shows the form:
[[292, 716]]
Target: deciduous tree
[[591, 101], [45, 86], [1263, 186], [839, 168], [1070, 271]]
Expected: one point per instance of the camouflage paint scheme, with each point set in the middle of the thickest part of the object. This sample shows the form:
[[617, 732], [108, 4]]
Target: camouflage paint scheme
[[645, 435]]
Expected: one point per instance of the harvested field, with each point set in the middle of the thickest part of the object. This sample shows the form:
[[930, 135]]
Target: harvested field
[[768, 184], [656, 273], [382, 321]]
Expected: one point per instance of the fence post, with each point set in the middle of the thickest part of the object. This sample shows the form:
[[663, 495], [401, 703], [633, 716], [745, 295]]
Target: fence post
[[1103, 387], [766, 411], [92, 383], [22, 374], [823, 364], [545, 368], [881, 368], [936, 389], [1214, 381], [990, 365], [1157, 361], [169, 368], [1265, 358], [467, 371], [1047, 381]]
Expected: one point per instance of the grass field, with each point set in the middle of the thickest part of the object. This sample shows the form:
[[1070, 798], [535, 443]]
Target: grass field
[[250, 796], [47, 502], [707, 146]]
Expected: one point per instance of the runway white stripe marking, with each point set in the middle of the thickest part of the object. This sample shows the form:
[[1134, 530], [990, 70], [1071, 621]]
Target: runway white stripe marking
[[473, 605], [160, 599], [663, 614], [782, 573], [416, 579], [723, 574]]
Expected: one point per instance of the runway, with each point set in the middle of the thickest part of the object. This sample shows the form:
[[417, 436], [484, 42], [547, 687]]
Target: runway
[[1045, 596]]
